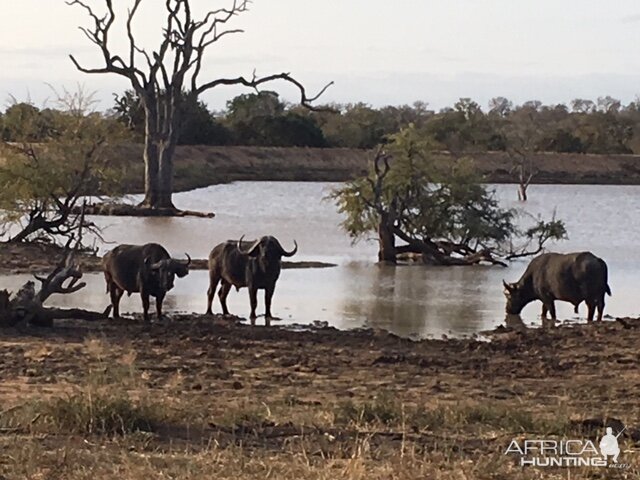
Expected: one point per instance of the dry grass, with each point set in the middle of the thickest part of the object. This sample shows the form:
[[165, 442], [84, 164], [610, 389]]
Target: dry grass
[[112, 427], [228, 402]]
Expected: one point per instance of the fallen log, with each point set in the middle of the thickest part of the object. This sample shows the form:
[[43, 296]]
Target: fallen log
[[27, 305], [126, 210]]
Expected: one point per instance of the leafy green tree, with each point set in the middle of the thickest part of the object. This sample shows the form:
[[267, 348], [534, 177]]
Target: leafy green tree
[[355, 126], [442, 212], [44, 179], [244, 108], [262, 119], [23, 117]]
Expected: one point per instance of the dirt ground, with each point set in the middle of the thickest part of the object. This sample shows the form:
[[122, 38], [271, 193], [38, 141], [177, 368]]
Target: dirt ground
[[219, 399]]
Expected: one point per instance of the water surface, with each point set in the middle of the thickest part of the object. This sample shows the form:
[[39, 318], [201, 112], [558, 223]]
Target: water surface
[[408, 300]]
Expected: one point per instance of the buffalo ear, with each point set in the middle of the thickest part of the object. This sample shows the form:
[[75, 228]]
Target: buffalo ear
[[508, 288]]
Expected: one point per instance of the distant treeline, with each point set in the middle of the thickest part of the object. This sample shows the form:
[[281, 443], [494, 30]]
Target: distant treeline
[[262, 119]]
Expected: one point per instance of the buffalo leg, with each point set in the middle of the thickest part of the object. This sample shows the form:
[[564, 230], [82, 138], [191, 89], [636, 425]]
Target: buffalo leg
[[222, 294], [213, 284], [159, 300], [549, 305], [145, 305], [268, 295], [600, 306], [253, 300], [591, 306], [544, 312], [116, 295]]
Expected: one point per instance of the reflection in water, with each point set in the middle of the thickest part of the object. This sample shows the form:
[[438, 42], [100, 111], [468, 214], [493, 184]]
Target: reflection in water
[[514, 321], [408, 300], [419, 300]]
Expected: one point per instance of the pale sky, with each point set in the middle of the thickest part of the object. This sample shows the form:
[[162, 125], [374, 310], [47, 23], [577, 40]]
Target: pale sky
[[377, 52]]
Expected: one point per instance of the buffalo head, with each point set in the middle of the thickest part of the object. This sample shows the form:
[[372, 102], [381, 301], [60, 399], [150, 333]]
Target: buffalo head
[[165, 270], [267, 249], [517, 298]]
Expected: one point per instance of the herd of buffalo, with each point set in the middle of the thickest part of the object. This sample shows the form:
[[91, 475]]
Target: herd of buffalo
[[150, 270]]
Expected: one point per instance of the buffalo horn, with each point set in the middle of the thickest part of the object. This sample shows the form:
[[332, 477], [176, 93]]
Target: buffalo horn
[[292, 252], [251, 248]]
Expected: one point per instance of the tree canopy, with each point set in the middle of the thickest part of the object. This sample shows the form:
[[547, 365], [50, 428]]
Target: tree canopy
[[264, 119], [46, 172]]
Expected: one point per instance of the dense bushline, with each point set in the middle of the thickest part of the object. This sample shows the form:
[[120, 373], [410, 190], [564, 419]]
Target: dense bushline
[[263, 119]]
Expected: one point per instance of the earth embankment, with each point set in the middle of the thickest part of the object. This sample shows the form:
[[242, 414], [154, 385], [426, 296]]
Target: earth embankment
[[201, 166]]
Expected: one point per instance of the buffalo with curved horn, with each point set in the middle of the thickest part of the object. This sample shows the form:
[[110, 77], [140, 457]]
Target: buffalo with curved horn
[[255, 265], [148, 269]]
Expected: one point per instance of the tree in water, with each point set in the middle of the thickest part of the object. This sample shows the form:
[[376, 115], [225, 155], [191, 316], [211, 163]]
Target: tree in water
[[440, 211], [167, 78], [523, 134]]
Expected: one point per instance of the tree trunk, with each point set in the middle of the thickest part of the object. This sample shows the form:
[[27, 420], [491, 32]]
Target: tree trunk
[[151, 172], [160, 146], [522, 192], [151, 152], [386, 241], [165, 178]]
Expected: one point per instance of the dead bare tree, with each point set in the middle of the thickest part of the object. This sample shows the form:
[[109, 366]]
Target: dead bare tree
[[525, 170], [169, 77], [523, 133]]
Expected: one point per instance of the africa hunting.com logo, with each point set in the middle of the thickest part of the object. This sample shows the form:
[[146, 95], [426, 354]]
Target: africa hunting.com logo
[[569, 453]]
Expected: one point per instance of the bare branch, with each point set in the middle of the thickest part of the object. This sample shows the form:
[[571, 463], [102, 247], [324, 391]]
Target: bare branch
[[256, 82]]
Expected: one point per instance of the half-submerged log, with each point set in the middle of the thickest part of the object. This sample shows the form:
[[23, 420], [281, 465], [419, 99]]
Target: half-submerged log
[[126, 210]]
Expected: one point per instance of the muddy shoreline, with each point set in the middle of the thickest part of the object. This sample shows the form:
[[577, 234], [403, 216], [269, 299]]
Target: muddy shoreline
[[317, 404], [40, 258]]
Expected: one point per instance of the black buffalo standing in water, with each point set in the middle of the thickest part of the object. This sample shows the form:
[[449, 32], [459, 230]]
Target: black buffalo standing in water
[[255, 265], [571, 277], [148, 269]]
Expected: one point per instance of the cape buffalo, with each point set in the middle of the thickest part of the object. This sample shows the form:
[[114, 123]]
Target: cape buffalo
[[148, 269], [255, 265], [571, 277]]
